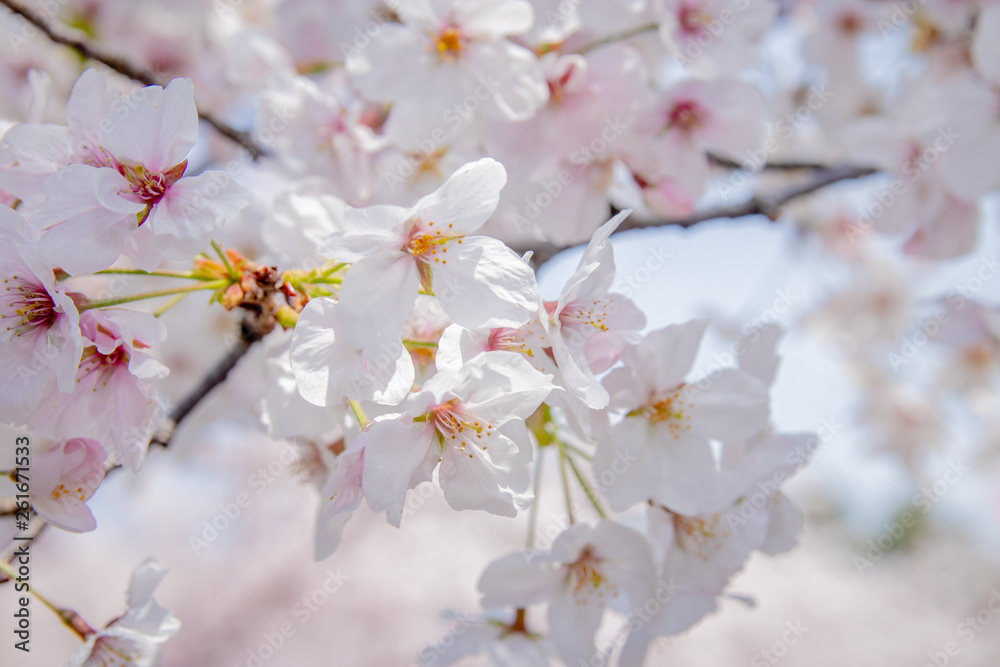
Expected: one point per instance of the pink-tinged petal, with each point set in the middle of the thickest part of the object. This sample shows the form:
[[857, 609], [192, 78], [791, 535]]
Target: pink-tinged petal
[[40, 150], [66, 475], [132, 411], [486, 19], [341, 495], [481, 283], [156, 127], [731, 406], [517, 579], [194, 207], [465, 201], [376, 296], [736, 119], [511, 75], [951, 232], [86, 219], [393, 453], [89, 103], [668, 198]]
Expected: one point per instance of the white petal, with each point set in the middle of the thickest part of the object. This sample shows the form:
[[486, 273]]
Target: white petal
[[393, 452], [376, 297], [484, 284], [517, 579], [465, 201]]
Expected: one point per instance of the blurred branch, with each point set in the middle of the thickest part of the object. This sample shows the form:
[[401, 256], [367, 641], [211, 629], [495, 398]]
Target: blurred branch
[[618, 36], [769, 166], [126, 68], [759, 204], [249, 335]]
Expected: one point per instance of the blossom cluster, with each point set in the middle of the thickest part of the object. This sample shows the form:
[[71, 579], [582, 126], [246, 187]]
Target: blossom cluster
[[415, 155]]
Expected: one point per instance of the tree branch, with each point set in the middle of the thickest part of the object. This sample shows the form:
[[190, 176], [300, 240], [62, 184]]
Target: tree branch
[[126, 68], [759, 204]]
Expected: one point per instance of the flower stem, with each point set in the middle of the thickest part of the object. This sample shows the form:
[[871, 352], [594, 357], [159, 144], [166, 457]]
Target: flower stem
[[225, 260], [70, 618], [168, 305], [565, 481], [586, 489], [332, 269], [140, 272], [359, 414], [618, 36], [533, 512], [105, 303], [420, 343]]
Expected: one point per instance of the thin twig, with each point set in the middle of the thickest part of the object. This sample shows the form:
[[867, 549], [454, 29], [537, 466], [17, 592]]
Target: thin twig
[[618, 36], [70, 618], [126, 68], [759, 204]]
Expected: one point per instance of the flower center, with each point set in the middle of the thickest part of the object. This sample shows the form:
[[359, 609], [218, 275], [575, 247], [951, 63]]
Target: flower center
[[454, 424], [587, 314], [692, 18], [449, 44], [700, 535], [510, 340], [686, 116], [670, 409], [28, 304], [426, 245], [103, 365], [587, 579], [148, 187]]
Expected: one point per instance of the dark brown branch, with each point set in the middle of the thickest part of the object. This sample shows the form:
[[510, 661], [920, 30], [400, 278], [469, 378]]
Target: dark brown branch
[[759, 204], [124, 67], [791, 165]]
